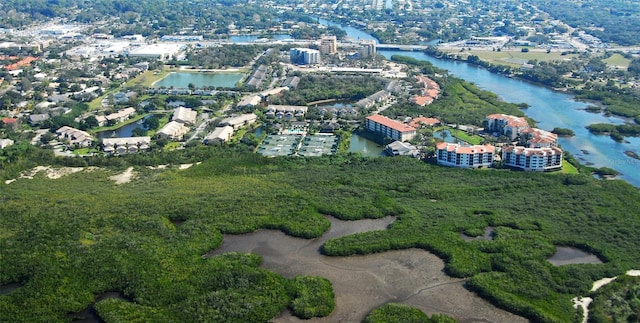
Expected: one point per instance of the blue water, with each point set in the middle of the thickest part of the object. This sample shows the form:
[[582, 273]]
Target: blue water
[[352, 33], [364, 146], [199, 80], [551, 109], [445, 135], [124, 131]]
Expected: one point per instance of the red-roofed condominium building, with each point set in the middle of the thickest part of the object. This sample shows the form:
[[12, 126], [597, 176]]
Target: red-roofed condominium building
[[390, 128], [505, 124], [456, 155], [532, 159]]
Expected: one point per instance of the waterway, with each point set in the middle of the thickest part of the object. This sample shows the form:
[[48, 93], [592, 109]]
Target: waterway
[[199, 80], [551, 109], [353, 34]]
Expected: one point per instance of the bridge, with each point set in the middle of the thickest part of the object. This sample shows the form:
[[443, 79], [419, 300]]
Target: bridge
[[408, 48], [297, 42]]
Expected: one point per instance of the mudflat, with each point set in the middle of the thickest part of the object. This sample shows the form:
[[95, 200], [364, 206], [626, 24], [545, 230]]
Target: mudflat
[[361, 283]]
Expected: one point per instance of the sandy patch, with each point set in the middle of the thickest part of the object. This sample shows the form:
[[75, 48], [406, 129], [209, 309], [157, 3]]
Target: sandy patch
[[158, 167], [50, 172], [584, 303], [633, 273], [601, 282], [185, 166], [123, 178]]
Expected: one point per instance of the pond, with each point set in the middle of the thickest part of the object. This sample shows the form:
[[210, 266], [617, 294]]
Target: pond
[[488, 235], [366, 147], [445, 135], [122, 132], [200, 79], [6, 289], [572, 255]]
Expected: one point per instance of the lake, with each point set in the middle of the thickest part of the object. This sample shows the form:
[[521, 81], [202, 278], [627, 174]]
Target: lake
[[199, 79]]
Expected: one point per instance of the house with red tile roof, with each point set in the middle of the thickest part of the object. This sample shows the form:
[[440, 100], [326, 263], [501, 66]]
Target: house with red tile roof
[[465, 156], [430, 91], [422, 121], [389, 128], [532, 159]]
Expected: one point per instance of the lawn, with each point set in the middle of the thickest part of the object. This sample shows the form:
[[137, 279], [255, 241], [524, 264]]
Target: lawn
[[567, 168], [618, 61], [147, 78], [513, 58], [472, 139]]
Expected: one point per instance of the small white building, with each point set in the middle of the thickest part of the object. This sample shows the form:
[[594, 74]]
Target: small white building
[[126, 145], [286, 111], [184, 115], [219, 136], [116, 117], [456, 155], [239, 121], [173, 130], [75, 136], [250, 101]]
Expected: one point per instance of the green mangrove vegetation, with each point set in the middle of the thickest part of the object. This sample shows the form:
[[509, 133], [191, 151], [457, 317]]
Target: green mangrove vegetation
[[67, 240], [618, 301], [395, 312]]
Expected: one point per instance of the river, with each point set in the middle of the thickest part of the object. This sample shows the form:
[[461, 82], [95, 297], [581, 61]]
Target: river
[[549, 108]]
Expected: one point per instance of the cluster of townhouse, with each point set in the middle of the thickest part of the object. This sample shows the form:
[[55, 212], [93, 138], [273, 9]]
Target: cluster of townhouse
[[225, 129], [116, 117], [535, 149], [286, 111], [430, 91], [179, 125]]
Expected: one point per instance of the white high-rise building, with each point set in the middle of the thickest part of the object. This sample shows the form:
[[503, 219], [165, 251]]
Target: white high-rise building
[[304, 56]]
